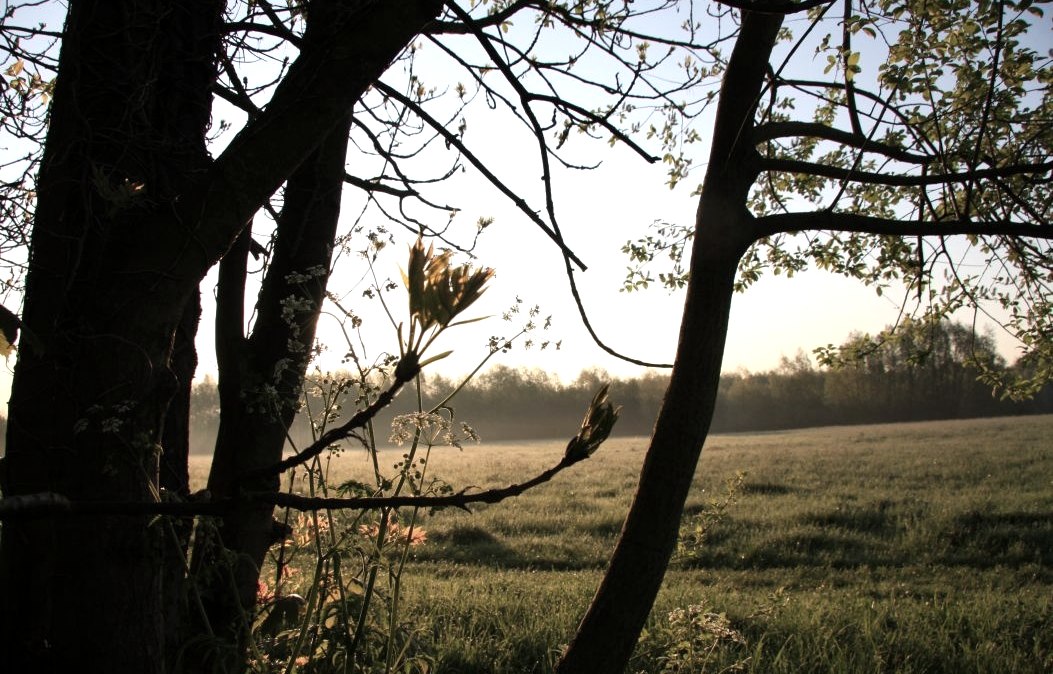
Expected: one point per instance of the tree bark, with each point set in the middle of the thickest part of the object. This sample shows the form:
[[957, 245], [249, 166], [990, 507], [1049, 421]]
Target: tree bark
[[724, 229], [88, 401], [174, 480], [261, 376]]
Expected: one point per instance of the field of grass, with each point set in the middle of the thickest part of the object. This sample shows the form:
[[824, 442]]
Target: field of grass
[[922, 547]]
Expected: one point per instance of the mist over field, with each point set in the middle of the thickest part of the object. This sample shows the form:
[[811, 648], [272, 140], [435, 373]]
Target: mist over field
[[935, 377]]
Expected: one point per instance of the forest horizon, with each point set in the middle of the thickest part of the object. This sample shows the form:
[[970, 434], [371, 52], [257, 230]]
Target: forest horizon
[[928, 372]]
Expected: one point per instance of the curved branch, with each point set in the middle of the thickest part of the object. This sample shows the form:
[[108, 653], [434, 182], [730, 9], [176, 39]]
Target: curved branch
[[882, 101], [524, 96], [775, 130], [453, 140], [774, 7], [406, 370], [48, 503], [593, 117], [778, 223], [592, 331], [458, 500], [837, 173]]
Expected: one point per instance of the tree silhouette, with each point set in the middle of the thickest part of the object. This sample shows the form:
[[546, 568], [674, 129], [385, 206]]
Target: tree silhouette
[[933, 139], [120, 206], [117, 206]]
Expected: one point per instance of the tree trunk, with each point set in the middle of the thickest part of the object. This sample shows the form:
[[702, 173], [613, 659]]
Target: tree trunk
[[88, 401], [261, 376], [723, 231], [174, 480], [131, 214]]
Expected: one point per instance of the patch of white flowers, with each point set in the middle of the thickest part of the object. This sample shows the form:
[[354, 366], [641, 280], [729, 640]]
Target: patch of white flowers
[[433, 429], [705, 625]]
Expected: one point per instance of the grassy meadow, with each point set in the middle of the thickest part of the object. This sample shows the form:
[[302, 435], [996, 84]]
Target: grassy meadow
[[923, 547]]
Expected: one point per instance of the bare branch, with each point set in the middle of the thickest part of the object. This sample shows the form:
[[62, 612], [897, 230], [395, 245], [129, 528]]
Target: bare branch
[[524, 97], [495, 19], [32, 31], [786, 129], [592, 331], [774, 6], [453, 140], [47, 503], [375, 186], [568, 19], [243, 104], [458, 500], [596, 119], [241, 97], [274, 31]]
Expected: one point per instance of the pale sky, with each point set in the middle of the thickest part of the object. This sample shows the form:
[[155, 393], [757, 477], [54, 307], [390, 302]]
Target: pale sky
[[600, 210]]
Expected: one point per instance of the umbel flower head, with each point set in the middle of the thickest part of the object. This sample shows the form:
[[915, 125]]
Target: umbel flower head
[[439, 291], [595, 427]]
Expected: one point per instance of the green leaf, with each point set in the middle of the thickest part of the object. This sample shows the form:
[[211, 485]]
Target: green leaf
[[438, 356]]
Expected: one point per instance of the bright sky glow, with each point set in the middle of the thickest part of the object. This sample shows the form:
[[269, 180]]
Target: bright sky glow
[[600, 210]]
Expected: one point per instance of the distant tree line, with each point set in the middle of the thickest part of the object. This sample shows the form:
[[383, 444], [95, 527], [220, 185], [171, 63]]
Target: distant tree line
[[925, 371]]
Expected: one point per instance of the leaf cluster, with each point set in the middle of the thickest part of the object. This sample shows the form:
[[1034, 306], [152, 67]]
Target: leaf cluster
[[439, 291], [918, 161]]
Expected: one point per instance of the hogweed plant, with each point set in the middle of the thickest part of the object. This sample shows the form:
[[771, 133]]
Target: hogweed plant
[[330, 595], [696, 531], [695, 639]]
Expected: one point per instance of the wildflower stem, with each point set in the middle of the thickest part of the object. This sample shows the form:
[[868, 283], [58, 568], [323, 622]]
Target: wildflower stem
[[405, 371]]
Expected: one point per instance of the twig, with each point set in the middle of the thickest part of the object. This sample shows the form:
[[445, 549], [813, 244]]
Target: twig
[[48, 503]]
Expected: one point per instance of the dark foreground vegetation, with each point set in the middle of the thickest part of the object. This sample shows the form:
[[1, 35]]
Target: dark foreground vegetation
[[928, 372], [920, 547], [919, 158]]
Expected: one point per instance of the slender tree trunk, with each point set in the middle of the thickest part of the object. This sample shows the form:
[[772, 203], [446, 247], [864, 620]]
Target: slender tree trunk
[[261, 376], [174, 480], [88, 401], [608, 633]]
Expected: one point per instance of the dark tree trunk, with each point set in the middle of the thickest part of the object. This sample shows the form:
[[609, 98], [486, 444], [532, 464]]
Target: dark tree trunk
[[87, 408], [607, 635], [261, 376], [175, 461], [174, 479], [131, 214]]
